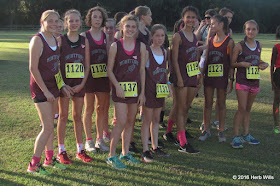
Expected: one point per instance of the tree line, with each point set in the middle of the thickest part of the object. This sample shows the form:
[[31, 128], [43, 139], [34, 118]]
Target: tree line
[[167, 12]]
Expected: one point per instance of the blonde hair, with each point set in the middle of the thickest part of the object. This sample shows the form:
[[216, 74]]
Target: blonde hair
[[97, 8], [67, 14], [45, 15]]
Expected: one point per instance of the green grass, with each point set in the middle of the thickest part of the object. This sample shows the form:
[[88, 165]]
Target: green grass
[[215, 165]]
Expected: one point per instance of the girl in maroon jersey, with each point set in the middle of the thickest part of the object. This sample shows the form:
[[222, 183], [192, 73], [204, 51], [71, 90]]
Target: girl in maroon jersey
[[44, 68], [126, 70], [246, 58], [187, 76], [97, 85], [217, 70], [275, 81], [156, 75], [74, 67]]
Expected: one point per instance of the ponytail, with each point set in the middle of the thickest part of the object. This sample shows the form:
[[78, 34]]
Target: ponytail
[[224, 20]]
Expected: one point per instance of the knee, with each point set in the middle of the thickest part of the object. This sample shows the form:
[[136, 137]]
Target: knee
[[77, 117], [208, 104], [48, 129], [242, 109], [100, 108]]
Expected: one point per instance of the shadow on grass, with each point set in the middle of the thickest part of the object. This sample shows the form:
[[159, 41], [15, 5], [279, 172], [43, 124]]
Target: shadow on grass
[[8, 182]]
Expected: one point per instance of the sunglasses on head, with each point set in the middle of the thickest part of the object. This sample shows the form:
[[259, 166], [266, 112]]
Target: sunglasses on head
[[208, 17]]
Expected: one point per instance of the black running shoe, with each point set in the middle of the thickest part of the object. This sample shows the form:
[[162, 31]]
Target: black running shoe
[[170, 138], [187, 148], [147, 157], [160, 144], [188, 135], [162, 125], [132, 148], [159, 152]]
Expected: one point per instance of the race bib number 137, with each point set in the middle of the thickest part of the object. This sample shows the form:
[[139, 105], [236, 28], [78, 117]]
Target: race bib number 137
[[129, 88]]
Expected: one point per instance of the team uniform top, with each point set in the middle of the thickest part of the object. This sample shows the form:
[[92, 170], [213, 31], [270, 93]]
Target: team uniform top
[[72, 53], [48, 67], [277, 62], [155, 74], [144, 38], [127, 69], [187, 53], [218, 54], [98, 55], [250, 56]]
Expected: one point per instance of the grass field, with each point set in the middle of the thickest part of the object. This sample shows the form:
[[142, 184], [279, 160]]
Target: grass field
[[215, 165]]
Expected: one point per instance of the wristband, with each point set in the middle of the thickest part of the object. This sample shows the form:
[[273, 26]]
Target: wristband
[[168, 83]]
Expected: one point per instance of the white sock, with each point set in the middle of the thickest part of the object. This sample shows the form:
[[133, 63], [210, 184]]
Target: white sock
[[61, 148], [79, 147]]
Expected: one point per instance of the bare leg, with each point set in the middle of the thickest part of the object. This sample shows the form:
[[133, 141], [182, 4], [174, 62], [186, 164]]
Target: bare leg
[[207, 109], [87, 118]]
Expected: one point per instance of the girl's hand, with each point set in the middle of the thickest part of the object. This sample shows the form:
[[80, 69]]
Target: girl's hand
[[70, 90], [49, 96], [263, 66], [246, 64], [170, 91], [77, 88], [120, 92], [180, 83], [229, 87], [201, 48], [141, 99], [66, 92]]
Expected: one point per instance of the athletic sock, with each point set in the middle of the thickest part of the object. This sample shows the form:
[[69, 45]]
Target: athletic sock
[[170, 124], [161, 116], [35, 160], [89, 139], [79, 147], [182, 137], [61, 148], [49, 154], [97, 139]]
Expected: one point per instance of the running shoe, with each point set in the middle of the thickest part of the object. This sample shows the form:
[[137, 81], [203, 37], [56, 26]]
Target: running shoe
[[250, 139], [83, 156], [236, 142], [276, 130], [132, 148], [221, 137], [89, 146], [187, 148], [162, 125], [160, 143], [189, 120], [216, 125], [115, 162], [170, 138], [100, 145], [204, 136], [54, 164], [147, 157], [37, 169], [56, 116], [159, 152], [106, 137], [63, 158], [129, 158]]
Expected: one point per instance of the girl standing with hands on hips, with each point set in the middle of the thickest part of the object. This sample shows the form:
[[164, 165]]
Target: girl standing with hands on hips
[[246, 58], [45, 82], [126, 70], [217, 70], [97, 85], [74, 67]]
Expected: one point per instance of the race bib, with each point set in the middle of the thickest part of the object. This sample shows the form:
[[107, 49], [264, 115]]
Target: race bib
[[215, 70], [253, 72], [129, 88], [74, 70], [99, 70], [162, 90], [192, 69], [59, 80]]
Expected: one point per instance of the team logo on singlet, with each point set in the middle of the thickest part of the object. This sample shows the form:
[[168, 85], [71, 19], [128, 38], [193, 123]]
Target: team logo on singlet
[[130, 68], [100, 58], [255, 62], [161, 78], [55, 66]]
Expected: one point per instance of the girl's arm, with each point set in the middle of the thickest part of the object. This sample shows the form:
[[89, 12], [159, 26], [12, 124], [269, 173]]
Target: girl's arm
[[263, 65], [35, 48], [197, 32], [176, 41], [79, 87], [236, 51], [110, 66], [272, 66], [231, 69], [144, 57], [167, 56]]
